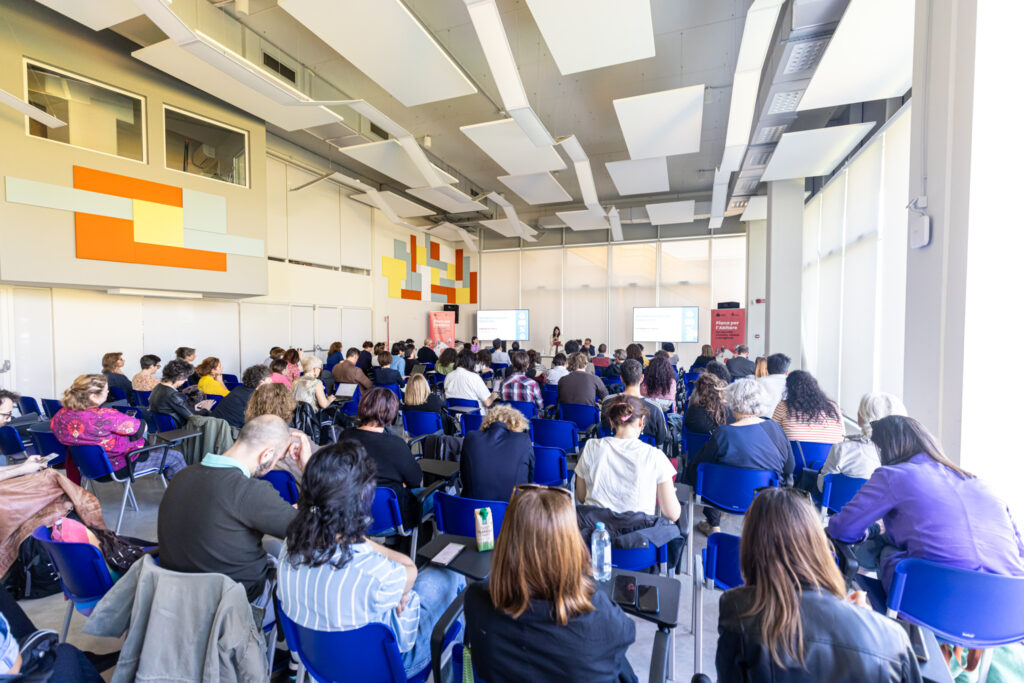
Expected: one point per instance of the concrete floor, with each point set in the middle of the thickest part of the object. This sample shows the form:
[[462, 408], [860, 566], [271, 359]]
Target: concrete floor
[[49, 612]]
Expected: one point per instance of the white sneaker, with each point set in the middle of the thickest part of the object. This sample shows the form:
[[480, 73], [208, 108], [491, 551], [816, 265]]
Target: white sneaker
[[707, 529]]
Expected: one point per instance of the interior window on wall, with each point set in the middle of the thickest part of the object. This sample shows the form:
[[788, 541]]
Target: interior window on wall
[[203, 147], [99, 117], [633, 284], [542, 294]]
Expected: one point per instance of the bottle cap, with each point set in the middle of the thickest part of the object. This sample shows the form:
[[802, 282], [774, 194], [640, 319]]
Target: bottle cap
[[600, 525]]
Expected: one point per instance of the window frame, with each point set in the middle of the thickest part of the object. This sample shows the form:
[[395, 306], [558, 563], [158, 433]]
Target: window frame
[[214, 122]]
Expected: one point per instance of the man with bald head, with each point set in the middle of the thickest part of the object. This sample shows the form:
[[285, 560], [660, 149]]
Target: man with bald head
[[214, 518]]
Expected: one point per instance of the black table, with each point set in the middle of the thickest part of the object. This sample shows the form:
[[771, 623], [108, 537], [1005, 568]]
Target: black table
[[463, 409], [178, 435], [471, 563], [668, 596], [446, 469]]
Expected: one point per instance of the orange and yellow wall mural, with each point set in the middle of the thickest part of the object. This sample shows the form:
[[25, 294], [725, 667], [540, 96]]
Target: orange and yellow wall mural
[[426, 270]]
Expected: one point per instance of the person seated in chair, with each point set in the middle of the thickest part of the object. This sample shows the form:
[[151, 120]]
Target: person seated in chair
[[112, 370], [332, 577], [309, 388], [383, 374], [807, 414], [792, 619], [517, 386], [740, 365], [498, 354], [707, 410], [579, 386], [232, 407], [211, 377], [857, 456], [167, 400], [540, 602], [632, 374], [464, 383], [146, 379], [498, 456], [426, 354], [347, 373], [660, 383]]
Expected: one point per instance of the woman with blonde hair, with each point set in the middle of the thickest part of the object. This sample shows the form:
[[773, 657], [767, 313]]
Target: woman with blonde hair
[[309, 388], [540, 601], [497, 456], [760, 367], [792, 619], [419, 397], [272, 398], [707, 354], [112, 364], [210, 372]]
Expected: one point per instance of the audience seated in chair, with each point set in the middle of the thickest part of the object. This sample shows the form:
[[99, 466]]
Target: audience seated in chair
[[167, 400], [517, 386], [623, 473], [558, 369], [740, 365], [278, 367], [146, 379], [383, 374], [929, 507], [659, 383], [580, 386], [760, 367], [446, 363], [774, 382], [309, 388], [334, 354], [791, 620], [498, 353], [112, 364], [464, 383], [540, 603], [275, 353], [614, 368], [707, 354], [232, 407], [211, 377], [188, 354], [707, 410], [293, 358], [398, 360], [807, 414], [632, 374], [535, 368], [331, 577], [750, 443], [498, 456], [856, 456], [719, 370], [347, 375], [426, 353]]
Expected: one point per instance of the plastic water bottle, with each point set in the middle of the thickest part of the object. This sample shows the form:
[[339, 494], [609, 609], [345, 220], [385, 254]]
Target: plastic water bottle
[[601, 553]]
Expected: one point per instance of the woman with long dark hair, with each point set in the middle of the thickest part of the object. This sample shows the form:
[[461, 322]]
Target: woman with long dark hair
[[659, 383], [555, 344], [446, 363], [930, 509], [807, 414], [333, 578], [791, 620], [636, 352], [707, 410]]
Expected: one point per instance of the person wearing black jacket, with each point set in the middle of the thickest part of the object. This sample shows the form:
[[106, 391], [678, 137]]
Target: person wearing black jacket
[[231, 408], [365, 360], [740, 365], [426, 354], [384, 374], [167, 400], [498, 456]]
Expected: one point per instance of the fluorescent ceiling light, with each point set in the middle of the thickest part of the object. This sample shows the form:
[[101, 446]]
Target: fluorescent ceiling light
[[402, 207], [33, 112], [392, 159], [616, 223], [159, 293], [815, 152], [450, 199], [97, 15], [589, 34], [385, 41], [668, 213], [757, 209], [509, 146], [639, 176], [870, 56], [583, 220], [536, 188], [662, 123]]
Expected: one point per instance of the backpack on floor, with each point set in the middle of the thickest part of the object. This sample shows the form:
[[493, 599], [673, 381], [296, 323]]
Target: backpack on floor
[[32, 575]]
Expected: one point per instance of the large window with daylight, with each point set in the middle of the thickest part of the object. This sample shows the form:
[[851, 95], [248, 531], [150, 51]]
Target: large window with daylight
[[204, 147], [99, 117]]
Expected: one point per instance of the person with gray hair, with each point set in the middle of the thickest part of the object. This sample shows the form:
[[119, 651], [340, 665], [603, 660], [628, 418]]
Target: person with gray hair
[[856, 456], [749, 443]]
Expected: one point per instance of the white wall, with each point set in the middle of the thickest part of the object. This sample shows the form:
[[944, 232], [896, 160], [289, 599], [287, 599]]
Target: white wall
[[757, 253]]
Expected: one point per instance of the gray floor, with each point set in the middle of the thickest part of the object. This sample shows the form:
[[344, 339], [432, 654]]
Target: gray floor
[[49, 612]]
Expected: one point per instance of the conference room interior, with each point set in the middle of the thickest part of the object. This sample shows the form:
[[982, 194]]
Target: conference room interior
[[820, 181]]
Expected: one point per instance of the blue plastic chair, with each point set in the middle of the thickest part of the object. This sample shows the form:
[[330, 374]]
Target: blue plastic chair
[[454, 514], [164, 422], [470, 422], [419, 424], [52, 406], [11, 444], [980, 610], [549, 466], [721, 562], [583, 416], [557, 433], [499, 369], [549, 393], [284, 483], [83, 574], [527, 408], [230, 381], [694, 442], [838, 490], [387, 517], [118, 394], [639, 559], [29, 405], [807, 452], [352, 407], [94, 465], [463, 403], [142, 398], [395, 389], [46, 442]]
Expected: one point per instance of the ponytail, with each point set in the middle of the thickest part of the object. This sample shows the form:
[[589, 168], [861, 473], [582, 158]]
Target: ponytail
[[623, 409]]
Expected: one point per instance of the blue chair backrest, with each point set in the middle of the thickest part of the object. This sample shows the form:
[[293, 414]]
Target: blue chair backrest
[[367, 654], [84, 576], [142, 398], [549, 466], [690, 376], [499, 368], [549, 392], [648, 439], [10, 441], [395, 389], [46, 442], [164, 422], [352, 407], [454, 515], [964, 607], [731, 488], [807, 452], [722, 561], [839, 490], [91, 461], [284, 483], [557, 433], [428, 365], [229, 379], [694, 442], [118, 394], [385, 510], [527, 408], [583, 416], [52, 406], [421, 422], [637, 559], [470, 422], [29, 405], [463, 403]]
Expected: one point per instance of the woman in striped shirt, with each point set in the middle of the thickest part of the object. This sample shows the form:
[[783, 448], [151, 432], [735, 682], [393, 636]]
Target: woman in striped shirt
[[333, 578], [807, 414]]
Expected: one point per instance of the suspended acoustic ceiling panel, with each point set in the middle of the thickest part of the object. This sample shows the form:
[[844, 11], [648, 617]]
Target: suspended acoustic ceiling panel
[[449, 198], [870, 56], [506, 143], [402, 207], [536, 188], [388, 157], [590, 34], [583, 220], [96, 14], [385, 41], [185, 65], [817, 152], [639, 176], [662, 123], [669, 213], [504, 227], [757, 209]]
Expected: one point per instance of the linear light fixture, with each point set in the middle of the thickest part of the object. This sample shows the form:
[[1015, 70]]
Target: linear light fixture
[[29, 110], [159, 293]]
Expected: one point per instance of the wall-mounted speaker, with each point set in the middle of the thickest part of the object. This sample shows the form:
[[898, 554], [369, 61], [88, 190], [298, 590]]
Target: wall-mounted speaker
[[454, 308]]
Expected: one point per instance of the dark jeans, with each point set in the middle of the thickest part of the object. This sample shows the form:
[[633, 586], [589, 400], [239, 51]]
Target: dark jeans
[[713, 516]]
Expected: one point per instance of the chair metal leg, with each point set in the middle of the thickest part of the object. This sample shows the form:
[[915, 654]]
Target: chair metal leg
[[300, 675], [413, 539], [131, 498], [163, 479], [698, 629], [689, 536], [985, 664], [67, 622], [124, 501]]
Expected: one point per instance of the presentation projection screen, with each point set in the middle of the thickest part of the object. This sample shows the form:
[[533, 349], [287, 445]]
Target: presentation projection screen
[[668, 324], [510, 325]]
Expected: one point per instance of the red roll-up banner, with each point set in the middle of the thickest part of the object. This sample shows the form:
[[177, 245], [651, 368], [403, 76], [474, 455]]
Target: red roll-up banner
[[728, 328], [442, 326]]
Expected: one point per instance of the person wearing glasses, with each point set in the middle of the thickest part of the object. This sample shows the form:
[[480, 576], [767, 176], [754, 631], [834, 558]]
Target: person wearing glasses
[[792, 619], [540, 601], [33, 463]]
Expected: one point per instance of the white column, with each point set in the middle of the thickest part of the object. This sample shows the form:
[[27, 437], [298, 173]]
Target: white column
[[757, 263], [784, 268]]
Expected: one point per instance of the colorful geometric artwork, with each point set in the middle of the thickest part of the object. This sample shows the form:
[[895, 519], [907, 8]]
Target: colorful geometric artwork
[[128, 220], [430, 271]]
